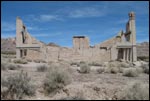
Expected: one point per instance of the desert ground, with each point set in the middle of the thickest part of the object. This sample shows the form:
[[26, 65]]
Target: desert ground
[[62, 80]]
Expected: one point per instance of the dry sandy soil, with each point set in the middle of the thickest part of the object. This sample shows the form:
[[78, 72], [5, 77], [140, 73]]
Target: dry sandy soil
[[91, 86]]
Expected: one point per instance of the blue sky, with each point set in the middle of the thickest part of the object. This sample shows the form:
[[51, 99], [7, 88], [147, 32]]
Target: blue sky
[[59, 21]]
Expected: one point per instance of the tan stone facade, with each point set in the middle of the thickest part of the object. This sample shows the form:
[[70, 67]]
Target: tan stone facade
[[122, 46]]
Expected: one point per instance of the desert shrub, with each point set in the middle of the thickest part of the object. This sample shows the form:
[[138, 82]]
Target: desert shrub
[[132, 72], [37, 61], [8, 52], [9, 66], [125, 65], [75, 63], [20, 61], [84, 68], [145, 68], [95, 64], [114, 70], [139, 70], [143, 58], [114, 64], [17, 86], [73, 98], [43, 61], [56, 79], [100, 70], [82, 62], [137, 91], [42, 68], [3, 65], [120, 69], [12, 66], [107, 70], [29, 60]]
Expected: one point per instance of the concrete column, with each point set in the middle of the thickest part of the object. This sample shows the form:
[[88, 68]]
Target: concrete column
[[127, 54], [131, 54], [18, 53], [123, 54]]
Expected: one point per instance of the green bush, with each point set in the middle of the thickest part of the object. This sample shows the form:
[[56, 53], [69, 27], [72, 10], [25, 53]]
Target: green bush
[[17, 86], [56, 79], [132, 72], [42, 68], [137, 91], [20, 61], [84, 68]]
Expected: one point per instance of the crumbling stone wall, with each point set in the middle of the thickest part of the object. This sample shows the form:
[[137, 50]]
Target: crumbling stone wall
[[81, 51]]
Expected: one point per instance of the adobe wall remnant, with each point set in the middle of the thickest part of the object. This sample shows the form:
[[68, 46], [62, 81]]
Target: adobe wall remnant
[[122, 46]]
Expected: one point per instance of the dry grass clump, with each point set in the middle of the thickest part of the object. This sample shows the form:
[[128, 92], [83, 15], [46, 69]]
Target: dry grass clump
[[39, 61], [95, 64], [42, 68], [84, 68], [137, 91], [114, 70], [100, 70], [16, 87], [73, 98], [124, 64], [56, 79], [3, 65], [12, 66], [29, 60], [131, 72], [75, 63], [20, 61], [145, 68], [9, 66]]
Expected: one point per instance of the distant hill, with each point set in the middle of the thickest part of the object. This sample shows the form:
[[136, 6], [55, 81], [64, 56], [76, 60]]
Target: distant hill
[[8, 45], [143, 49], [52, 44]]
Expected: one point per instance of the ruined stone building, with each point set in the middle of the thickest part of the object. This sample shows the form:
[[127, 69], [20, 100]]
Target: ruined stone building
[[122, 46]]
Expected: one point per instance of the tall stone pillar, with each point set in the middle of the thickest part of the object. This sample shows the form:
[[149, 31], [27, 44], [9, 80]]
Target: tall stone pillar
[[133, 35]]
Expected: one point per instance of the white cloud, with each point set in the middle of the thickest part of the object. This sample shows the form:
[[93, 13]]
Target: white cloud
[[47, 34], [6, 26], [142, 40], [86, 12], [44, 17], [123, 21], [40, 35], [7, 35]]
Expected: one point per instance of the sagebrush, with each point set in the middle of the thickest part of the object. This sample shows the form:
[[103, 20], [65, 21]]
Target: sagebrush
[[17, 86]]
